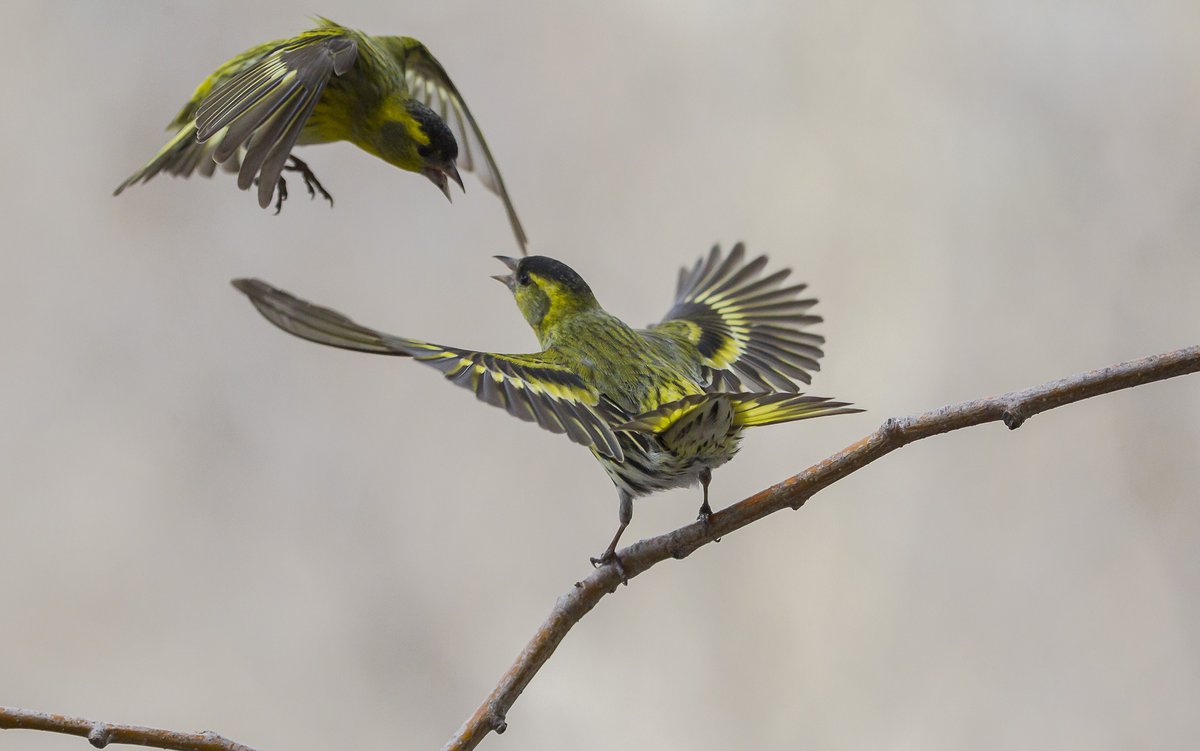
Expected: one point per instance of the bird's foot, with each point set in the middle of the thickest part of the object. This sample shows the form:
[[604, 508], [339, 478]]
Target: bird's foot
[[280, 194], [610, 556], [704, 516], [310, 180]]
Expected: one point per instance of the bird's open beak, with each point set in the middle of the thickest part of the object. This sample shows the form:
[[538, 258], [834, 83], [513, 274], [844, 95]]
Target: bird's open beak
[[452, 173], [438, 178], [508, 280], [442, 178]]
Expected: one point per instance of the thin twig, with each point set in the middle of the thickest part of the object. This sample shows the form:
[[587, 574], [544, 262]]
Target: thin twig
[[100, 734], [1013, 409]]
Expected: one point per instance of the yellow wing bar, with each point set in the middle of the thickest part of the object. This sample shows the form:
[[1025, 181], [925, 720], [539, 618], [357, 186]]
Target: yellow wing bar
[[745, 326], [534, 387]]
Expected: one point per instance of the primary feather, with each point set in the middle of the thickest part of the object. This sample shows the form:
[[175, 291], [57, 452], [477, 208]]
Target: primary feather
[[744, 326], [535, 387]]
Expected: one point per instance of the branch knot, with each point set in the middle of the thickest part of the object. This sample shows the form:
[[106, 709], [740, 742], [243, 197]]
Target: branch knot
[[100, 735], [497, 721], [893, 428], [1012, 416]]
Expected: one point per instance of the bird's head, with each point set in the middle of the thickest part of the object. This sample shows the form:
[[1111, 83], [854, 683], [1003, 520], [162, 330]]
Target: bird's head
[[439, 151], [547, 291]]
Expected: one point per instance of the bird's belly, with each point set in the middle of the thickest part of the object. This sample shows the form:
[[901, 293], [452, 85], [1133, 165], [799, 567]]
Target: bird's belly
[[654, 463], [318, 132], [308, 138], [330, 121]]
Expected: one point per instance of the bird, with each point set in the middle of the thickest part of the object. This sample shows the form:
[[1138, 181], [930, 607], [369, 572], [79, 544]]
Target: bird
[[659, 407], [388, 95]]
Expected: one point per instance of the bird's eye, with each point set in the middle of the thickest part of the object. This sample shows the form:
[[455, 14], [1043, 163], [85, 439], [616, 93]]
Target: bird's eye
[[522, 277]]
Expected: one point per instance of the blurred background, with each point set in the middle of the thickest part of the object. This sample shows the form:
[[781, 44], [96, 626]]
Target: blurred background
[[209, 524]]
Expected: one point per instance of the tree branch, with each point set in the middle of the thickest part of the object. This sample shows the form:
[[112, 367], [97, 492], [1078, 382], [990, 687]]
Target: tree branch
[[100, 734], [1013, 409]]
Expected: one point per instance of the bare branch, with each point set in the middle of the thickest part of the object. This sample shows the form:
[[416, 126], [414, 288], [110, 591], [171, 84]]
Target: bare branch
[[100, 734], [1013, 409]]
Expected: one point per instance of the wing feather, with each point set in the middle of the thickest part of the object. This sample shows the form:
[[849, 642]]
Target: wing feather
[[535, 387], [745, 326], [265, 106], [428, 81]]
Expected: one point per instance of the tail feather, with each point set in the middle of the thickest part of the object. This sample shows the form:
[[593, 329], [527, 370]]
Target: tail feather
[[749, 410], [752, 410], [182, 156]]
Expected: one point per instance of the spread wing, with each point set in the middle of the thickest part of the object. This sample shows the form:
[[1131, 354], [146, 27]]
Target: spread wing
[[535, 387], [265, 106], [428, 82], [745, 326], [183, 154]]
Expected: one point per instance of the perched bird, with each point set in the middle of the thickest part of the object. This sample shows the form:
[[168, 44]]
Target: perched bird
[[387, 95], [659, 407]]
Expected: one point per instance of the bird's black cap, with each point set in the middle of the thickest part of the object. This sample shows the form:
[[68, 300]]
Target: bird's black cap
[[442, 146], [556, 271]]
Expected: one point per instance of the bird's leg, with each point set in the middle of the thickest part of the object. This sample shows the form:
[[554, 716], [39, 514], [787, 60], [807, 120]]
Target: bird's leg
[[310, 180], [624, 515], [705, 509]]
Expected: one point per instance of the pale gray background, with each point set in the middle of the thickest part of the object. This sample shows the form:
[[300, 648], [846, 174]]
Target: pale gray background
[[210, 524]]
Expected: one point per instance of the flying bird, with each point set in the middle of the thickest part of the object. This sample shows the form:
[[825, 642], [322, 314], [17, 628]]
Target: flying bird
[[388, 95], [659, 407]]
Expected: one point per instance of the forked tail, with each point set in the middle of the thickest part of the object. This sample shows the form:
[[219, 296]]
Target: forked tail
[[749, 410]]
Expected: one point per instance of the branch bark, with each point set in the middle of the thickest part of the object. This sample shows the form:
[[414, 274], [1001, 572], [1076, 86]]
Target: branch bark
[[1013, 409], [100, 734]]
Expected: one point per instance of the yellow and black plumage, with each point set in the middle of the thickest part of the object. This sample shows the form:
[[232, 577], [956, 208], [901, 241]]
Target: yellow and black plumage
[[659, 407], [387, 95]]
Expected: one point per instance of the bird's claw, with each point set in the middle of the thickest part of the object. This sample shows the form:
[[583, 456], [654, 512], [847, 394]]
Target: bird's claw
[[281, 195], [311, 182], [608, 557]]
